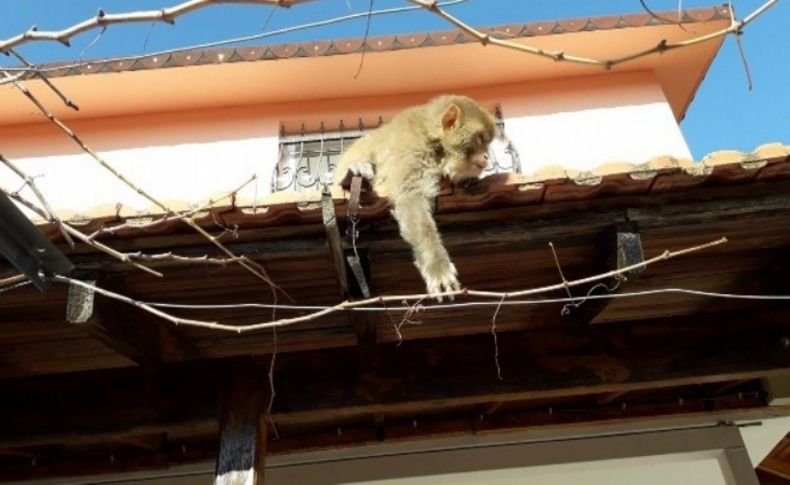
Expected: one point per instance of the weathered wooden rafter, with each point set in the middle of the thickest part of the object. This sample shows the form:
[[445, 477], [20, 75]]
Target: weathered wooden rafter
[[122, 328]]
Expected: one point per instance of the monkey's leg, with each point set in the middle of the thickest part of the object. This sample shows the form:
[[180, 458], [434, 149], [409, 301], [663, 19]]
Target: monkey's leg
[[418, 228]]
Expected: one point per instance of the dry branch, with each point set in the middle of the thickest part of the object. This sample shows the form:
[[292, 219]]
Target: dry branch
[[381, 300], [735, 27], [257, 271], [68, 102], [12, 280], [103, 19], [176, 258], [82, 237], [133, 224], [49, 214], [233, 40]]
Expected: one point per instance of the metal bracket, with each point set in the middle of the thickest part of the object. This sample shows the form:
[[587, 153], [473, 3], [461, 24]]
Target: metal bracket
[[27, 248], [354, 260]]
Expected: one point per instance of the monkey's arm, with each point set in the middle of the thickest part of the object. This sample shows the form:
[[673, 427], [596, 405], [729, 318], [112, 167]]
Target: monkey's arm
[[358, 159], [417, 226]]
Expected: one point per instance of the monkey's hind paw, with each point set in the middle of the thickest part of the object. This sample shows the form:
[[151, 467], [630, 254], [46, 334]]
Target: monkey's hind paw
[[441, 281], [363, 169]]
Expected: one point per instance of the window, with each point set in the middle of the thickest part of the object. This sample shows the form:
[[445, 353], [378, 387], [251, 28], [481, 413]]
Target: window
[[307, 160]]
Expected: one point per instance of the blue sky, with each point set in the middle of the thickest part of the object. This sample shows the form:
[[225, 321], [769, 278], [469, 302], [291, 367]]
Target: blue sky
[[724, 114]]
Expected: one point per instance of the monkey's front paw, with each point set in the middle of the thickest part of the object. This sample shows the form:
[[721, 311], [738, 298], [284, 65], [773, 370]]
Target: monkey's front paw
[[440, 278], [363, 169]]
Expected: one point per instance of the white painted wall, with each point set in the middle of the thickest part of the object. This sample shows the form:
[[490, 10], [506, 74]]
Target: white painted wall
[[185, 158]]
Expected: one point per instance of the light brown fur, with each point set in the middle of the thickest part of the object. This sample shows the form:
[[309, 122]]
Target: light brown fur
[[407, 158]]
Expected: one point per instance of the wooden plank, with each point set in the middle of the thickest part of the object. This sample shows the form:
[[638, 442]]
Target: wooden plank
[[431, 376], [335, 244], [242, 443]]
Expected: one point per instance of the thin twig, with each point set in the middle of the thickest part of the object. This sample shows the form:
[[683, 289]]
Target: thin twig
[[406, 319], [82, 237], [66, 100], [272, 391], [49, 213], [364, 40], [345, 305], [662, 46], [189, 222], [12, 280], [170, 257], [650, 12], [135, 224], [745, 62], [559, 270], [577, 302], [739, 44], [496, 340], [93, 42], [147, 37]]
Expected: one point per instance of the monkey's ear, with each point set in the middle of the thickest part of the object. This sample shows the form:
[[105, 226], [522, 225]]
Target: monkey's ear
[[451, 116]]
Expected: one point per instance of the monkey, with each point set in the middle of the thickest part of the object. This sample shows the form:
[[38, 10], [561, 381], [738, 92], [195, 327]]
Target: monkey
[[406, 159]]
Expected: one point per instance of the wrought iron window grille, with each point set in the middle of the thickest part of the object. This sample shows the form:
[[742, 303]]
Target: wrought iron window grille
[[307, 161]]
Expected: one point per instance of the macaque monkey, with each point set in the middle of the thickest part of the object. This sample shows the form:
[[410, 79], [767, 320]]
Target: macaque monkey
[[406, 160]]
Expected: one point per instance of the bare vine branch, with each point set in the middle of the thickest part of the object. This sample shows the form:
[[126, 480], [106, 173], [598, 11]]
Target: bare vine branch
[[345, 305], [49, 214], [12, 280], [258, 272], [68, 102], [134, 224], [735, 27], [177, 258], [82, 237], [103, 19]]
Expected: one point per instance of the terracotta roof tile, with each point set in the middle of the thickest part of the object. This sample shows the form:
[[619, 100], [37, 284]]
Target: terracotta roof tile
[[382, 43], [573, 25], [641, 19], [250, 53], [389, 42], [702, 14], [550, 184], [541, 28], [284, 50], [186, 58], [412, 40], [604, 23], [445, 37]]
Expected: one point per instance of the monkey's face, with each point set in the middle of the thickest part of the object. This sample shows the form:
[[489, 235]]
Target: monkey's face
[[466, 136]]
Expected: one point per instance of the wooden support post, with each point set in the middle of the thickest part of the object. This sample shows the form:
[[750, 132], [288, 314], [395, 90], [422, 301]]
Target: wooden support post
[[121, 328], [335, 244], [620, 247], [242, 443], [354, 260]]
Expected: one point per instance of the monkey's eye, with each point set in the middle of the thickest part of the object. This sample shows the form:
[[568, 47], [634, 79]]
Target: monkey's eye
[[480, 140]]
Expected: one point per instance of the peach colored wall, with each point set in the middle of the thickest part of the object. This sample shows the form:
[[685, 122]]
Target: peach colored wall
[[187, 156]]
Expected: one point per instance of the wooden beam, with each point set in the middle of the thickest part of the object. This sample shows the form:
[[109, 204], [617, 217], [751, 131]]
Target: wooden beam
[[61, 464], [420, 377], [120, 327], [335, 244], [620, 246], [242, 444], [777, 462]]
